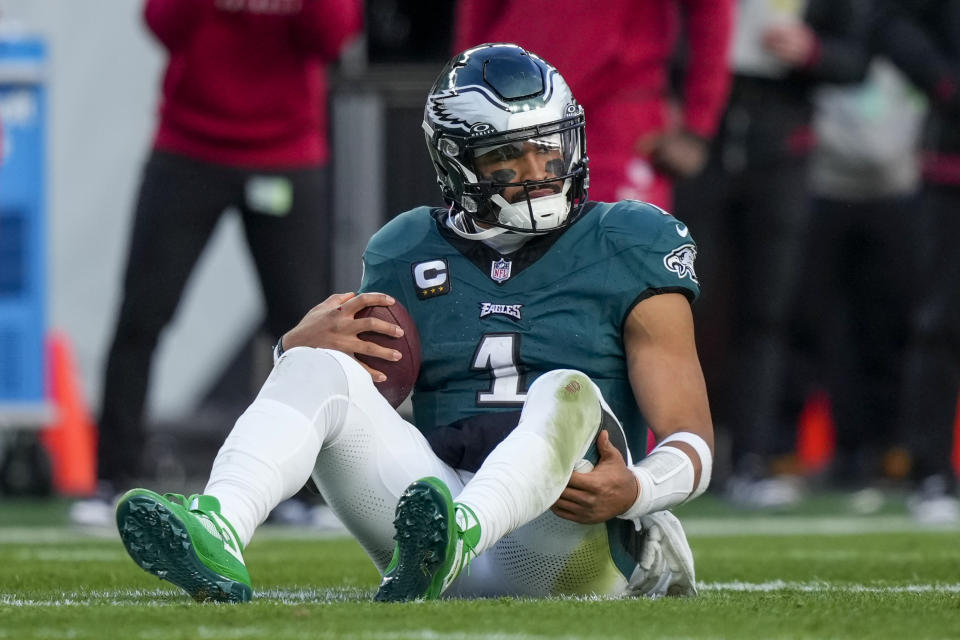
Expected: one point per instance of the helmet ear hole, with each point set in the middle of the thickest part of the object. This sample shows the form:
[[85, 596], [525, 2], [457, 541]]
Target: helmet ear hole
[[448, 147], [448, 195]]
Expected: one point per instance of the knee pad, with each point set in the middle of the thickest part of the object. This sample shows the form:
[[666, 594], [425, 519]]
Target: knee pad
[[564, 407], [563, 384]]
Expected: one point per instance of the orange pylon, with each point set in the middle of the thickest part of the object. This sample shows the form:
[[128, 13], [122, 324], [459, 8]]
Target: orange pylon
[[71, 438], [816, 433]]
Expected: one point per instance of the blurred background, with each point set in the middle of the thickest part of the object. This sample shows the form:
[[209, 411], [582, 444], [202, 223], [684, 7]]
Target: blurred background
[[98, 72], [807, 144]]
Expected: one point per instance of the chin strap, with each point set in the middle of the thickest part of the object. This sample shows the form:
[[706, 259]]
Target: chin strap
[[509, 214], [499, 239], [545, 205], [452, 224]]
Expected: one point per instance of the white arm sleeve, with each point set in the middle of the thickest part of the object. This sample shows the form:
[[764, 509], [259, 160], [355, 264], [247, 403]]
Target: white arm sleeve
[[666, 475]]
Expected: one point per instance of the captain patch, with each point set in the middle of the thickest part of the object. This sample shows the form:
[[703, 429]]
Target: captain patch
[[431, 278]]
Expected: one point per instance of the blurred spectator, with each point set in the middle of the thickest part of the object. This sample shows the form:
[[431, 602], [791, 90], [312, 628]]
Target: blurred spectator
[[865, 177], [750, 207], [242, 124], [403, 32], [617, 61], [922, 38]]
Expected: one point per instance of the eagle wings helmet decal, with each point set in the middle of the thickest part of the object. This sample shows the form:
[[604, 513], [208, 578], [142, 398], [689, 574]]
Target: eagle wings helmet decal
[[469, 108], [466, 109]]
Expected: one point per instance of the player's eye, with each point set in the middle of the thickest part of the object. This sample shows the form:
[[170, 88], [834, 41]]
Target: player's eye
[[503, 175]]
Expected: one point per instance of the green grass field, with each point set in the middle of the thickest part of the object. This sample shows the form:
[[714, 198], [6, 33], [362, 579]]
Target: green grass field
[[819, 572]]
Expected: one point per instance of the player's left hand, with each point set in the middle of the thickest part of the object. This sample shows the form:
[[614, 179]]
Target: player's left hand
[[601, 494], [332, 325]]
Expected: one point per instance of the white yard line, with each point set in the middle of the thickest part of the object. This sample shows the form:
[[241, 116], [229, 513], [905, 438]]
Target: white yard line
[[814, 587], [430, 634], [259, 632], [60, 535], [53, 535], [880, 555], [163, 597], [695, 528], [50, 553], [805, 525]]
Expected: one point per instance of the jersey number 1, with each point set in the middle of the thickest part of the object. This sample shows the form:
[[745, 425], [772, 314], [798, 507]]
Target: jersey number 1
[[499, 353]]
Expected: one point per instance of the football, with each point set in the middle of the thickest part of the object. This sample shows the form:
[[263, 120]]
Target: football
[[402, 374]]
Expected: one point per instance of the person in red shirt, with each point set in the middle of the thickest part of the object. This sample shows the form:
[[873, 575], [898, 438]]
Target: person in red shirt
[[617, 60], [242, 125]]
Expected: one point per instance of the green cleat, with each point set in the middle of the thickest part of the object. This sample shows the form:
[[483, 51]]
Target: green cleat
[[435, 541], [186, 542]]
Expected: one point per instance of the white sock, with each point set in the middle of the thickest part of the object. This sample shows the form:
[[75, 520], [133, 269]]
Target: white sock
[[273, 446], [526, 473]]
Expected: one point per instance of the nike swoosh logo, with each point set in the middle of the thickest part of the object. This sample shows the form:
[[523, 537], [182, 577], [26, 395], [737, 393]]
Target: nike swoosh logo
[[682, 231]]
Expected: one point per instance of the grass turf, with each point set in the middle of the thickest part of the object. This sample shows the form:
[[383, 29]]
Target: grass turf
[[879, 579]]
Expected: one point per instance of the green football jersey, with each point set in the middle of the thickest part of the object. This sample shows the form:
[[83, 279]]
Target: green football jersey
[[491, 324]]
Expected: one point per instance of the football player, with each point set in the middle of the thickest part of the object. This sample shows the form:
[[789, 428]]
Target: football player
[[554, 332]]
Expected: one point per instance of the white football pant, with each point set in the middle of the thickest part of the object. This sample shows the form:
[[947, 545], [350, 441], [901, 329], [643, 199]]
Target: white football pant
[[319, 414]]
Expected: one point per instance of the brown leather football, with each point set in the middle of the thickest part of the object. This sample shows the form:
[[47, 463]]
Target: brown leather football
[[402, 374]]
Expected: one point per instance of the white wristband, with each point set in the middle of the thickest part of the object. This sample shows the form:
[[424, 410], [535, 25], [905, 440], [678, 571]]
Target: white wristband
[[665, 476], [703, 450]]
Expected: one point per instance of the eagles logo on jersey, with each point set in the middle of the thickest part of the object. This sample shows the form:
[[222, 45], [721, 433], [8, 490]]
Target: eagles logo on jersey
[[680, 261]]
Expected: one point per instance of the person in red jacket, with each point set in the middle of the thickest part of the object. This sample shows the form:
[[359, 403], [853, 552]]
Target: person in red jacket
[[617, 60], [242, 125]]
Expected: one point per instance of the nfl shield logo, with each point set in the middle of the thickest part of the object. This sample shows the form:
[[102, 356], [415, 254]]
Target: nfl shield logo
[[500, 270]]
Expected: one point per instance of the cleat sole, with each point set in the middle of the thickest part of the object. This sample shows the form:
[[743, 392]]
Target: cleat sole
[[158, 542], [422, 535]]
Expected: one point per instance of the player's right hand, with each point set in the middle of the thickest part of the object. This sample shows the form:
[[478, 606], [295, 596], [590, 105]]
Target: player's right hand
[[332, 325], [603, 493]]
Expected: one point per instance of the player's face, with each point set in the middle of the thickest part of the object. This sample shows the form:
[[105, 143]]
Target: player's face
[[534, 159]]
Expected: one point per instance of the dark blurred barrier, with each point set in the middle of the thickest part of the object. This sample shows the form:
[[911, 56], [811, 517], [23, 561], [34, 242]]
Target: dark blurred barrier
[[380, 162], [403, 31], [381, 167]]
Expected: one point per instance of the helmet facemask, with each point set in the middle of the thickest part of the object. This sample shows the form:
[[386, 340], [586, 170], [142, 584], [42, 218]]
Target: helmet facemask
[[522, 180]]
